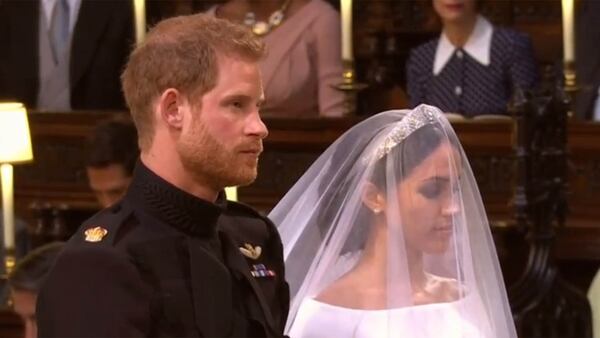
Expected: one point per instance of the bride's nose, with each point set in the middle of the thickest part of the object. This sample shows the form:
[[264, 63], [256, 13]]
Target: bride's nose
[[451, 207]]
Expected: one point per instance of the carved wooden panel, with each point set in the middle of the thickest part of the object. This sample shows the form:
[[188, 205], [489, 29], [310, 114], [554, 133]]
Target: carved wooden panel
[[531, 11], [10, 324], [56, 180]]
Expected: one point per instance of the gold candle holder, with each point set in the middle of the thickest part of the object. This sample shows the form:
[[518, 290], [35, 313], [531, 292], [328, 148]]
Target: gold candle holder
[[350, 87], [9, 265], [570, 85], [570, 77], [9, 261]]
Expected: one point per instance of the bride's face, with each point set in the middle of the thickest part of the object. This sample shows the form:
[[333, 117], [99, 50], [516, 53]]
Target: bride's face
[[428, 201]]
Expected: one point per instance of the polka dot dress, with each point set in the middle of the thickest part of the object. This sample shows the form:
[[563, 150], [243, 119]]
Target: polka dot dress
[[467, 87]]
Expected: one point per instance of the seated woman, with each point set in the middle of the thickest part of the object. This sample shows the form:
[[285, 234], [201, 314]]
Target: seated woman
[[473, 67], [386, 236], [303, 62]]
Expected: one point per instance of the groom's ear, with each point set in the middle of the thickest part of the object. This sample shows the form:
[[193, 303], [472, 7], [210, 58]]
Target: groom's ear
[[170, 105], [373, 198]]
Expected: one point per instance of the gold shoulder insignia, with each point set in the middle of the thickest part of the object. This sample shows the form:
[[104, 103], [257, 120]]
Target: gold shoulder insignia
[[95, 234], [250, 251]]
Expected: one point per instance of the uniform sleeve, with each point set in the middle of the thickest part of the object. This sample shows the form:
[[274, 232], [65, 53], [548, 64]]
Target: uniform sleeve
[[523, 69], [93, 291], [327, 31], [283, 289], [413, 86]]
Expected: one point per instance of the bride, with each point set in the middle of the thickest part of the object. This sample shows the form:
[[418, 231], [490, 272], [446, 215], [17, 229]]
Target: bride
[[386, 236]]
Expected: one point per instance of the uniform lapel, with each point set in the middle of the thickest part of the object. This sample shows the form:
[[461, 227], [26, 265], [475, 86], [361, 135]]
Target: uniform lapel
[[237, 263], [211, 290]]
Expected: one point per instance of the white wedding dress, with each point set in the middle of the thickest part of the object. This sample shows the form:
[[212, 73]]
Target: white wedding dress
[[393, 196], [316, 319]]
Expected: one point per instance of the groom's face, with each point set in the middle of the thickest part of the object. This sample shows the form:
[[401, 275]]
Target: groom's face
[[223, 139]]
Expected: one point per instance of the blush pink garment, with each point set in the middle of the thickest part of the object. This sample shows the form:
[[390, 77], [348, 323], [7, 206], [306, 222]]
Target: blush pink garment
[[303, 63]]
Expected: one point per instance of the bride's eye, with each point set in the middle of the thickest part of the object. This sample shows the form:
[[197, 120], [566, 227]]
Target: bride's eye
[[431, 189]]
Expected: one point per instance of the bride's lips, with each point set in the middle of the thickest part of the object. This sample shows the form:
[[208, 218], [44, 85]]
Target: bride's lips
[[445, 229]]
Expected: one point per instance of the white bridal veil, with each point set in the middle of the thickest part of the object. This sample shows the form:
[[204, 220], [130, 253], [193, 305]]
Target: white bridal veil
[[386, 235]]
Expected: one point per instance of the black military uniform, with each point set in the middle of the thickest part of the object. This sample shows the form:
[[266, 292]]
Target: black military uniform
[[163, 263]]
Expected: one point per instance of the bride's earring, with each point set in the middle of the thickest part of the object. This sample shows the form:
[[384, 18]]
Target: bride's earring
[[373, 199]]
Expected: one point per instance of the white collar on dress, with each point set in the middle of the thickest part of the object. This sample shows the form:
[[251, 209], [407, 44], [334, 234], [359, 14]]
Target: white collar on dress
[[478, 45]]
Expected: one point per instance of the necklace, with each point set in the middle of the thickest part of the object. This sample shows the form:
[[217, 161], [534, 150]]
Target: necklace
[[261, 28]]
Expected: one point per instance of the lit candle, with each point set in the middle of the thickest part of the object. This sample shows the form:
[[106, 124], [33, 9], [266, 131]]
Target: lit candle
[[346, 12], [231, 193], [568, 30], [6, 171], [139, 7]]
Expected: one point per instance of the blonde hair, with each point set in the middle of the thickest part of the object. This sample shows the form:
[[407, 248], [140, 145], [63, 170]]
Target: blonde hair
[[181, 53]]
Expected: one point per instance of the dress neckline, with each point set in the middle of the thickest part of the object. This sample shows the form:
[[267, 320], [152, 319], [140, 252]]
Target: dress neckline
[[432, 306]]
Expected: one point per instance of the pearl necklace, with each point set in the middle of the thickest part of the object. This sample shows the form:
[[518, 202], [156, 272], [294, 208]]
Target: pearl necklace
[[261, 28]]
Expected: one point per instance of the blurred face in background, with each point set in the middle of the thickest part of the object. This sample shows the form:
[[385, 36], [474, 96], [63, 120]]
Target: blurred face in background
[[24, 305], [455, 11], [108, 183]]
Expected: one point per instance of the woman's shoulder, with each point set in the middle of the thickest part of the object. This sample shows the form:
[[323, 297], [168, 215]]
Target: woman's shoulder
[[342, 293], [423, 54], [317, 16], [322, 6], [427, 47], [505, 37], [323, 10], [509, 45], [322, 320]]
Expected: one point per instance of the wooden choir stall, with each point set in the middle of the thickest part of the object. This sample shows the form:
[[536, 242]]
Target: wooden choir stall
[[52, 195], [538, 248]]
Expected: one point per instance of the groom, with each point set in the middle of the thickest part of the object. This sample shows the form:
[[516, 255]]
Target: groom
[[174, 258]]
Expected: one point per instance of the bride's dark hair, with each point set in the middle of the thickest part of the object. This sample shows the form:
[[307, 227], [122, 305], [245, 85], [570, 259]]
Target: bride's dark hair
[[408, 154]]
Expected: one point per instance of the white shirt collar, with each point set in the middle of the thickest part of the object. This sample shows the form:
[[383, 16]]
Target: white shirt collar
[[478, 45]]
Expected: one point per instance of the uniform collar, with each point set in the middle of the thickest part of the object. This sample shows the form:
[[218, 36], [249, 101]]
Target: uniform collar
[[478, 46], [172, 205]]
